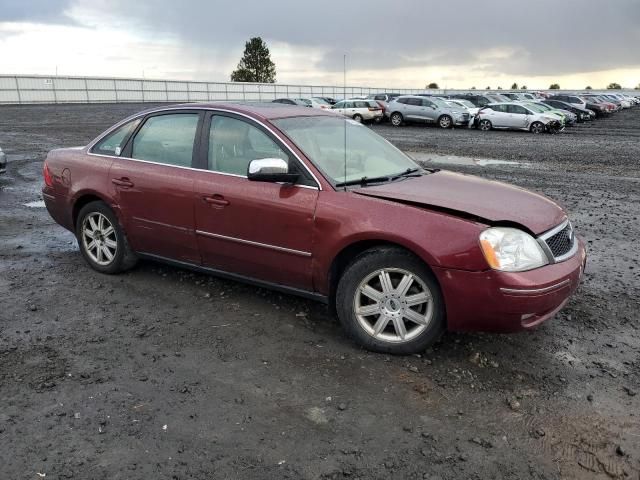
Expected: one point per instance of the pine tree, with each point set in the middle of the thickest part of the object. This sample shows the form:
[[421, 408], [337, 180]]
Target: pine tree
[[255, 64]]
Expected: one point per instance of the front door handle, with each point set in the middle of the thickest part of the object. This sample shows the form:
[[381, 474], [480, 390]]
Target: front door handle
[[216, 200], [122, 182]]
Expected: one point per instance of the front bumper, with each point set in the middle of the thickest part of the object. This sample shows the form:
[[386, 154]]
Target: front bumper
[[494, 301]]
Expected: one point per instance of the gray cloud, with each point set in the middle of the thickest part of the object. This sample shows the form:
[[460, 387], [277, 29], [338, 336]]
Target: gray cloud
[[36, 11], [533, 38]]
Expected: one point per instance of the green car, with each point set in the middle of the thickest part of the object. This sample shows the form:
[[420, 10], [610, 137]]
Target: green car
[[544, 108]]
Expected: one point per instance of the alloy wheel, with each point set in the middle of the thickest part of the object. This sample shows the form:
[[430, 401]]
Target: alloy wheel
[[537, 127], [99, 238], [485, 125], [393, 305], [445, 121], [396, 119]]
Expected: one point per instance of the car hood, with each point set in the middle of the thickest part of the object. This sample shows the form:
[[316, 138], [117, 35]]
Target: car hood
[[467, 195]]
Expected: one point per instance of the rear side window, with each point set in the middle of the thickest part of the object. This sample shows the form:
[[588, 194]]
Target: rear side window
[[167, 139], [113, 144], [362, 105]]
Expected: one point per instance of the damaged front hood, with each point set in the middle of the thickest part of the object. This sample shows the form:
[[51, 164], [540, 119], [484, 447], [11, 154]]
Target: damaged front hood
[[468, 195]]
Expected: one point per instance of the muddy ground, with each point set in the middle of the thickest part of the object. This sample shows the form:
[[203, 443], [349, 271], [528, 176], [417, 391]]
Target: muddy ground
[[166, 374]]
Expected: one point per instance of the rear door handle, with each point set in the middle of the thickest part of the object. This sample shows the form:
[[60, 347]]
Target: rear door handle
[[217, 200], [122, 182]]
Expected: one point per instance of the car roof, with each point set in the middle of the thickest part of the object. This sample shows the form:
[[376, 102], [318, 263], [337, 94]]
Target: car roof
[[257, 110]]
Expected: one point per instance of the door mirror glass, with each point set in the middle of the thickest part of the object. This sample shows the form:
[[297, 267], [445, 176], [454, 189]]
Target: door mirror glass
[[270, 170]]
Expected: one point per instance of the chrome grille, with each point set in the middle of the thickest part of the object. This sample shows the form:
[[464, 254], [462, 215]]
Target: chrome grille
[[561, 241]]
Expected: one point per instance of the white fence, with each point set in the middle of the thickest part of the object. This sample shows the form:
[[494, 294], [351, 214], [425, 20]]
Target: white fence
[[29, 89], [18, 89]]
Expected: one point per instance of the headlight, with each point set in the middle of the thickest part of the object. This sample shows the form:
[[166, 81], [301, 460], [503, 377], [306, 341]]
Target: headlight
[[511, 250]]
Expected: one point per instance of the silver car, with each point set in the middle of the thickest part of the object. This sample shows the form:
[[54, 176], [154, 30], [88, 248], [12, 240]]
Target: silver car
[[3, 162], [413, 108]]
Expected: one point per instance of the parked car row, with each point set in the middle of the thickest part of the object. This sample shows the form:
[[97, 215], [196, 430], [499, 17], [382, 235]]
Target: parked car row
[[509, 110], [536, 112]]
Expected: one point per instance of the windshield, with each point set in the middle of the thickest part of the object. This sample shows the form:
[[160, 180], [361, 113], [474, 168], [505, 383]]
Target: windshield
[[439, 102], [466, 103], [322, 139], [538, 108]]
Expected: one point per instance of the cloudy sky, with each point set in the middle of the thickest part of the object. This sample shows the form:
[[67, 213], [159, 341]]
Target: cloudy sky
[[405, 43]]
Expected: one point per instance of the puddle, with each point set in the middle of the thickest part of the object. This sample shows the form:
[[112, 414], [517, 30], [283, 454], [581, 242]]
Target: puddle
[[36, 204], [465, 161]]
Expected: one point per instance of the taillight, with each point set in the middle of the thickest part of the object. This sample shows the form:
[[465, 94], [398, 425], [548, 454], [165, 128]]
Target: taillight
[[48, 179], [374, 109]]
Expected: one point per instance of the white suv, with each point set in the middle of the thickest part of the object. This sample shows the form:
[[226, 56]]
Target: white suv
[[359, 110]]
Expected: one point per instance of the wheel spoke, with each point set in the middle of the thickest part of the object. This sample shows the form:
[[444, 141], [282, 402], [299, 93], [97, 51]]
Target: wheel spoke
[[93, 224], [100, 222], [99, 254], [380, 325], [404, 285], [385, 282], [417, 299], [107, 253], [91, 245], [415, 317], [110, 243], [373, 309], [401, 330], [371, 292], [107, 231]]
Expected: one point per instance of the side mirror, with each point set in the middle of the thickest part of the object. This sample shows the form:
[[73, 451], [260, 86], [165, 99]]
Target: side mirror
[[270, 170]]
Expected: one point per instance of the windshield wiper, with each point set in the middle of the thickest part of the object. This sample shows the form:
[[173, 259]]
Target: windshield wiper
[[364, 181], [409, 172]]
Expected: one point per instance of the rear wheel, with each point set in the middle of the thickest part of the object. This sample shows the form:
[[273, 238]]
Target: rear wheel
[[396, 119], [389, 301], [358, 118], [102, 241], [537, 127], [445, 121], [485, 125]]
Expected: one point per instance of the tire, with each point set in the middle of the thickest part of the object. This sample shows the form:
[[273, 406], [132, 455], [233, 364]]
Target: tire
[[537, 127], [382, 325], [396, 119], [485, 125], [358, 118], [445, 121], [111, 252]]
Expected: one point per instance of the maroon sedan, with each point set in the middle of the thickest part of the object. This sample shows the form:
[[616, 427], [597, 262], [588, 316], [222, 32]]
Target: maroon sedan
[[311, 203]]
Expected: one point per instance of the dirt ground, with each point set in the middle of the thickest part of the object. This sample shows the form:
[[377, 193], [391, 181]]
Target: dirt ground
[[166, 374]]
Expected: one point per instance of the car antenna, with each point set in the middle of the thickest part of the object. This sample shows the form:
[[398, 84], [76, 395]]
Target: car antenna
[[344, 94]]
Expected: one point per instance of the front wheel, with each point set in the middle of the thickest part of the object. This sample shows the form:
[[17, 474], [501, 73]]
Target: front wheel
[[389, 301], [485, 125], [537, 127], [445, 121], [396, 119], [102, 241]]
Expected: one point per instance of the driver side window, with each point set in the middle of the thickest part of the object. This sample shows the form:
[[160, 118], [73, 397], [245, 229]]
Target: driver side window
[[234, 143]]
